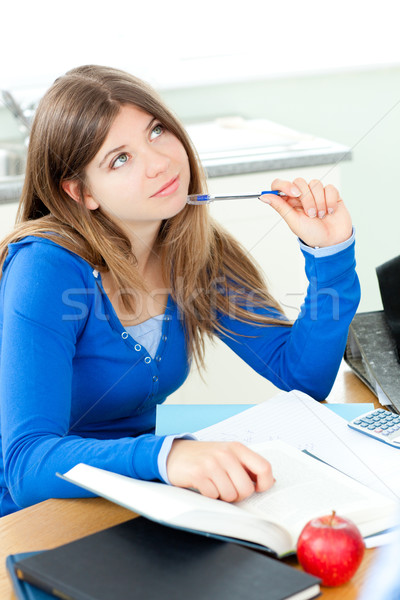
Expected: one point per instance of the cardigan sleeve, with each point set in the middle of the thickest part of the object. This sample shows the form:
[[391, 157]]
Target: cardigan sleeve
[[307, 355], [39, 336]]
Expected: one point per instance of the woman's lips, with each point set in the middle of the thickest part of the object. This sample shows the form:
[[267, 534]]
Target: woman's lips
[[168, 189]]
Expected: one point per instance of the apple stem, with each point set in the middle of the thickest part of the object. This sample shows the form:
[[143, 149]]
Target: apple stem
[[332, 518]]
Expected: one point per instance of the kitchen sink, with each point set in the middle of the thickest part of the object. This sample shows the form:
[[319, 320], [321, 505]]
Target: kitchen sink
[[12, 161], [12, 171]]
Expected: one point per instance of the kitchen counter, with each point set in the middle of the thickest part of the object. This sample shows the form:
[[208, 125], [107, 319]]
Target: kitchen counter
[[235, 146]]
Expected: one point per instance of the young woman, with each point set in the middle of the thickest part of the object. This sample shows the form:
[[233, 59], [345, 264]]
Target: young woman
[[111, 282]]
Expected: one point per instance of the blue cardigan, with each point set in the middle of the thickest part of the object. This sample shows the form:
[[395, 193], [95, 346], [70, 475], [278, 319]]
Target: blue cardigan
[[75, 387]]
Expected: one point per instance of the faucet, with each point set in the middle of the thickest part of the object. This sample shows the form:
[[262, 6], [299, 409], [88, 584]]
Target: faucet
[[24, 116]]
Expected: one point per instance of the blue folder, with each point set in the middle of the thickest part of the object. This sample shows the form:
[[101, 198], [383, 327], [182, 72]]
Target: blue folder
[[22, 589], [188, 418]]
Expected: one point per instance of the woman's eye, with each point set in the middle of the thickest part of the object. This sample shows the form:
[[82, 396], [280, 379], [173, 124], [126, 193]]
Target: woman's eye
[[156, 131], [119, 161]]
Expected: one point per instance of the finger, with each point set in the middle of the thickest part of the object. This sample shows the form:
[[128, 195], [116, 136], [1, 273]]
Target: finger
[[317, 190], [286, 187], [294, 203], [207, 488], [229, 475], [288, 213], [307, 198], [223, 483], [332, 198], [259, 468], [242, 480], [281, 205]]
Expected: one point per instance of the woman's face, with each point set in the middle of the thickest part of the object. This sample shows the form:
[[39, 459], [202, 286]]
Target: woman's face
[[141, 173]]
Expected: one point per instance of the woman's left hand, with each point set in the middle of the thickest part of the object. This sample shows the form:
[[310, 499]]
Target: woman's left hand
[[316, 214]]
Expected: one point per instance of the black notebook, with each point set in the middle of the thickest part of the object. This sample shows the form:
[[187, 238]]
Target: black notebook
[[145, 560]]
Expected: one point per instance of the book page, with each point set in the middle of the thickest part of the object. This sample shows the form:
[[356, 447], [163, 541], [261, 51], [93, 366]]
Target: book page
[[305, 424], [306, 488]]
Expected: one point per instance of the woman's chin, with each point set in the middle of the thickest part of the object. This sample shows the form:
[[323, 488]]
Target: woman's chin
[[174, 207]]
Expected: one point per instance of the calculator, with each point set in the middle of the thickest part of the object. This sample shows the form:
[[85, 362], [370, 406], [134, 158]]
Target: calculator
[[379, 424]]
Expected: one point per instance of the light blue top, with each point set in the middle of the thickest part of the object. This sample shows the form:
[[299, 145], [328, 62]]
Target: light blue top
[[148, 333]]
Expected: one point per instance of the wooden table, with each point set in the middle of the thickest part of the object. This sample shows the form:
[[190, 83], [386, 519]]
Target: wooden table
[[55, 522]]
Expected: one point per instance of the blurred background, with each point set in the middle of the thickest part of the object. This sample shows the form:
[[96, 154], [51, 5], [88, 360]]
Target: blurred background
[[328, 69]]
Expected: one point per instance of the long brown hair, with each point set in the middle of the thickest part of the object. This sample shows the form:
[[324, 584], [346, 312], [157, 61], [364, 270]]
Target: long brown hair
[[208, 270]]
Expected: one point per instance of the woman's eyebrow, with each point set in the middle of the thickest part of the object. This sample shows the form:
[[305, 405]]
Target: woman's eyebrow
[[124, 145], [151, 123], [110, 152]]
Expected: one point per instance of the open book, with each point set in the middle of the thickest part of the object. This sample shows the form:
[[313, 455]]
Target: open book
[[305, 488]]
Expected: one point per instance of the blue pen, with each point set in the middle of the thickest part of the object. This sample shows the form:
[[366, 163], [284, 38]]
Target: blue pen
[[206, 198]]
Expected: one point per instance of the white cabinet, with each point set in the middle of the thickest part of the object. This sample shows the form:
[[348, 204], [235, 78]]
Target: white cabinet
[[8, 212], [267, 237]]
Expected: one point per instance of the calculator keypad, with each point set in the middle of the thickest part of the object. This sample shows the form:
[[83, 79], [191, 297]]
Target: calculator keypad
[[380, 424]]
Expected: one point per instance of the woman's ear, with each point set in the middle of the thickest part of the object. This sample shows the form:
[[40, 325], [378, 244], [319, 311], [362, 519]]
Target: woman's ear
[[72, 188]]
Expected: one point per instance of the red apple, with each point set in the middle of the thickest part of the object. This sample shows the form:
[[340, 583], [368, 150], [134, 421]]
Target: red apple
[[330, 548]]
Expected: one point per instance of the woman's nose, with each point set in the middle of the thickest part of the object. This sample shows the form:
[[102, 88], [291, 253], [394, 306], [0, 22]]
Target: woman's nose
[[156, 163]]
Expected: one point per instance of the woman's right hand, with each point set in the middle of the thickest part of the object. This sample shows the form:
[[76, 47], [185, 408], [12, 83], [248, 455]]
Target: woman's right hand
[[226, 470], [316, 214]]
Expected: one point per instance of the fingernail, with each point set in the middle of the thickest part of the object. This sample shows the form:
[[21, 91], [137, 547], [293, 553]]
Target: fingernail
[[321, 214], [295, 192], [330, 211], [265, 198], [312, 213]]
